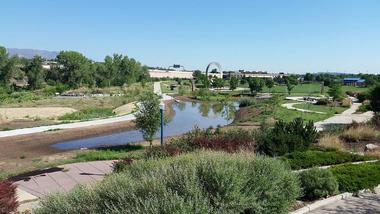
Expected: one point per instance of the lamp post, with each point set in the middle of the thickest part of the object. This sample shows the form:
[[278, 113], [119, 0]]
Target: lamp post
[[162, 108]]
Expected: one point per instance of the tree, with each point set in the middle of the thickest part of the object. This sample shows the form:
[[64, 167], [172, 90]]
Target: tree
[[148, 115], [74, 68], [234, 83], [290, 82], [217, 82], [308, 77], [35, 73], [269, 82], [256, 85], [336, 92], [374, 97]]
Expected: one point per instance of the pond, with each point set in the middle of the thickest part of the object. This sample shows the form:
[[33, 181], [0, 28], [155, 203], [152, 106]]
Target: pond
[[187, 115]]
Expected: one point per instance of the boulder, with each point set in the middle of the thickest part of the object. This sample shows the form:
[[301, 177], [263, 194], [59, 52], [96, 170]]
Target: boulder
[[371, 147]]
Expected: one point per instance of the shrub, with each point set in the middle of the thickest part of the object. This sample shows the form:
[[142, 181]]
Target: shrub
[[331, 142], [202, 182], [246, 102], [323, 102], [359, 133], [313, 158], [362, 96], [364, 108], [158, 152], [8, 199], [232, 140], [318, 183], [355, 177], [286, 137]]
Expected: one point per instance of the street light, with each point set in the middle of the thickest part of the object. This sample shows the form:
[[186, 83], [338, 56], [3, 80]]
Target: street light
[[162, 108]]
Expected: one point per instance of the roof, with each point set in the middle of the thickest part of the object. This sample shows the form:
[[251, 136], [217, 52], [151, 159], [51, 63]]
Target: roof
[[353, 79]]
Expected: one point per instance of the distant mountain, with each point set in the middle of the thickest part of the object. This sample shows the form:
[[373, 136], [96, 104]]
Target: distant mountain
[[30, 53]]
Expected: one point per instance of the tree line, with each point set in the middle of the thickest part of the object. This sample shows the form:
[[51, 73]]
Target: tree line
[[70, 68]]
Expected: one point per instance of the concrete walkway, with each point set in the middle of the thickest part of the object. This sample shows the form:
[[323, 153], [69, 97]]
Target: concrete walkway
[[129, 117], [346, 117], [291, 107], [62, 178], [367, 203]]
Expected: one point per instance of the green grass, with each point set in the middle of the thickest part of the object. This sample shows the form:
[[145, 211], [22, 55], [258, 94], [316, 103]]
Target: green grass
[[87, 114], [321, 108], [315, 158], [111, 153], [306, 89], [288, 115]]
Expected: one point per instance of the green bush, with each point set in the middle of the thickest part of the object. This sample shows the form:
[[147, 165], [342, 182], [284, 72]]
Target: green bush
[[286, 137], [89, 113], [318, 183], [312, 158], [202, 182], [246, 102], [355, 177]]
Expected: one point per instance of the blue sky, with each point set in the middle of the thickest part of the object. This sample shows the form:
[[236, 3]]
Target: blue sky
[[285, 35]]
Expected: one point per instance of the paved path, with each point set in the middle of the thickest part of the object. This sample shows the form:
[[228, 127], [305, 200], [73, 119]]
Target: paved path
[[129, 117], [291, 106], [346, 117], [366, 203], [63, 178]]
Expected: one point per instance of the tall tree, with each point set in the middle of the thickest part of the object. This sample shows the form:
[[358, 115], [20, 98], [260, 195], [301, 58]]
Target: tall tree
[[234, 83], [35, 73], [290, 82], [308, 77], [336, 92], [269, 82], [217, 82], [74, 68], [256, 85], [148, 115], [374, 97]]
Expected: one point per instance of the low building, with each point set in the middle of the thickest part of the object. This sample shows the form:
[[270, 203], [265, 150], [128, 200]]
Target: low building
[[353, 81], [156, 73]]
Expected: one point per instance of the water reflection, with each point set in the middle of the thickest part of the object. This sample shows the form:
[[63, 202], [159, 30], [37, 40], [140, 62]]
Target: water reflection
[[186, 116]]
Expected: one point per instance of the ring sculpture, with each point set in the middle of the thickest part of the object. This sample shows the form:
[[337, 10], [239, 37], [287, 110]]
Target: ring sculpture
[[217, 65]]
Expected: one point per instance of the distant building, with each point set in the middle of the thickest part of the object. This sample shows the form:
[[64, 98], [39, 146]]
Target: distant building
[[156, 73], [353, 81]]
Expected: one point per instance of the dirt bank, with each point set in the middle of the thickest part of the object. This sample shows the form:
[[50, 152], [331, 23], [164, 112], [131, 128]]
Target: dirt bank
[[22, 152]]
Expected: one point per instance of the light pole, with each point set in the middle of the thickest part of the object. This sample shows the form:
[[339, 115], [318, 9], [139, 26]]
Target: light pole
[[162, 108]]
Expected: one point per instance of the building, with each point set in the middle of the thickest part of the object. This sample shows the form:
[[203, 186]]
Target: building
[[156, 73], [353, 81]]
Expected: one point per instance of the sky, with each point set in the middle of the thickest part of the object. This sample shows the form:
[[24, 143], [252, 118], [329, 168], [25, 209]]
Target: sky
[[293, 36]]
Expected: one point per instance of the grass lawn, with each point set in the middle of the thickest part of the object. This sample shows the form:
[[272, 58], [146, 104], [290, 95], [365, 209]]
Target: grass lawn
[[87, 114], [321, 108], [306, 89], [288, 115]]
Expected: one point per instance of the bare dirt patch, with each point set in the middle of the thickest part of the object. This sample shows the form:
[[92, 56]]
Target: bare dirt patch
[[21, 153], [125, 109], [10, 114]]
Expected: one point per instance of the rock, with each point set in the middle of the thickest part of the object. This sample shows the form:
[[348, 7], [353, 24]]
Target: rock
[[371, 147]]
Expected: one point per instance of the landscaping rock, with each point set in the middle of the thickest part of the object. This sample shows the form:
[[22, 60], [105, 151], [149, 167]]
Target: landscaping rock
[[371, 147]]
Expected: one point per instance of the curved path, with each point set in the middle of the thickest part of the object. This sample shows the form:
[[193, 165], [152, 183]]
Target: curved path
[[129, 117], [346, 117], [291, 107]]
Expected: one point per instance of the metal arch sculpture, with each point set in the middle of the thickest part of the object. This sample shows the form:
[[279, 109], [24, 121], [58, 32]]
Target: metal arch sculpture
[[216, 64]]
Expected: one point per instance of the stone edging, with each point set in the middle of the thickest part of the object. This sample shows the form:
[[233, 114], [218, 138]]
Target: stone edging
[[326, 167]]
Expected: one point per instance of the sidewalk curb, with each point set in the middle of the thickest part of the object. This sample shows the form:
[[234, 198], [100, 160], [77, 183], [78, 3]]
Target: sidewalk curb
[[321, 203]]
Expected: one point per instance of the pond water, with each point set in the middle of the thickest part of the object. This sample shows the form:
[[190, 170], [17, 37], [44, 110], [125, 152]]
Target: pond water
[[187, 115]]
